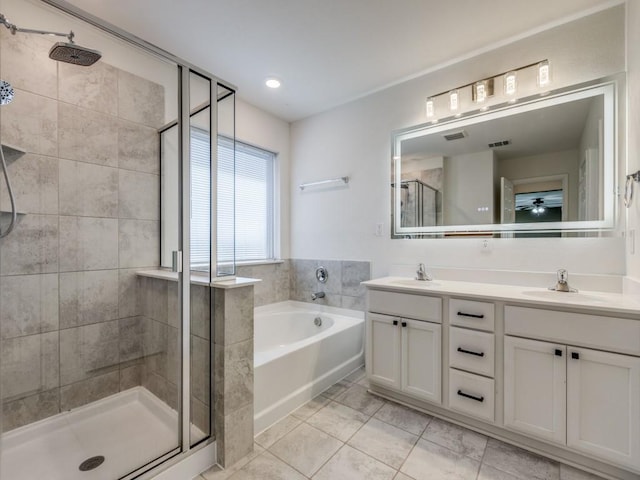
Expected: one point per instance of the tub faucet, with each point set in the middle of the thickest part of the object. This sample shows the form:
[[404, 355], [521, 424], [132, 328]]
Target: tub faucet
[[317, 295], [421, 273]]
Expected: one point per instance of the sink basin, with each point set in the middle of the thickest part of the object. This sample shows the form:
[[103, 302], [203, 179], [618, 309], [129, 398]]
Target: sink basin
[[563, 296], [410, 282]]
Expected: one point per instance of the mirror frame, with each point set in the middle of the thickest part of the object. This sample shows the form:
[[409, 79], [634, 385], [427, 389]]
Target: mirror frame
[[609, 90]]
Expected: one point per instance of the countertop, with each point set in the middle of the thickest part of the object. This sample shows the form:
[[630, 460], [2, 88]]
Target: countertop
[[597, 302]]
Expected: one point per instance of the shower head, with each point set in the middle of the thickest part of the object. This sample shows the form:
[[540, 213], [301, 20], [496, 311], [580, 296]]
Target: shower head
[[6, 93], [75, 54]]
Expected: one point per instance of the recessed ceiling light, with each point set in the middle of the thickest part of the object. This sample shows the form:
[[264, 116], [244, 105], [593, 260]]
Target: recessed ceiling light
[[272, 83]]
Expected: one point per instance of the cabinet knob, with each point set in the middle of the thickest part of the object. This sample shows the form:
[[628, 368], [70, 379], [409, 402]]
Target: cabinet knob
[[558, 352], [404, 324], [395, 322], [575, 355]]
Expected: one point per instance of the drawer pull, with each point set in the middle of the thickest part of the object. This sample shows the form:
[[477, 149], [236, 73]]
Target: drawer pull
[[472, 397], [472, 315], [469, 352], [395, 322]]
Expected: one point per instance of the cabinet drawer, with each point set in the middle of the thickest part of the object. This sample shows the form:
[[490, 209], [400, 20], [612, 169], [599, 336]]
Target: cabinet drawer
[[468, 313], [471, 394], [471, 351], [605, 333], [420, 307]]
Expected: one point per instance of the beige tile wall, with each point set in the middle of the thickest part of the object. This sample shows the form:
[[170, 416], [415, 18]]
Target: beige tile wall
[[72, 325]]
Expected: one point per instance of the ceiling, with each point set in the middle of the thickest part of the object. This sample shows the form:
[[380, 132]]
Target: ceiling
[[326, 52]]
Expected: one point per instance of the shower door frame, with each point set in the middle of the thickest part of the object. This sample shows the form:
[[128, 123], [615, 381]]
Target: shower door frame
[[184, 69]]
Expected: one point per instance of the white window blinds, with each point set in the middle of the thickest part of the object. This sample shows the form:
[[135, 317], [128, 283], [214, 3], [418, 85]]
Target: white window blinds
[[252, 203]]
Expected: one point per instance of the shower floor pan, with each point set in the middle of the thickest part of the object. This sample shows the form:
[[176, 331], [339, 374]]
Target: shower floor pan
[[129, 429]]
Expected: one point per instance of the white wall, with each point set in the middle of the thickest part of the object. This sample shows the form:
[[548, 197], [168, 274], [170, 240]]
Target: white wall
[[633, 129], [354, 140]]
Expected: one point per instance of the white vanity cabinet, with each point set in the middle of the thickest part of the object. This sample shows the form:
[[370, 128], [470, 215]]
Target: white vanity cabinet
[[404, 353], [586, 399]]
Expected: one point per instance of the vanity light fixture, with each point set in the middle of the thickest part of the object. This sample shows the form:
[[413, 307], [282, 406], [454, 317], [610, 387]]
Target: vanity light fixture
[[454, 100], [431, 108], [538, 207], [544, 74], [481, 90], [510, 83]]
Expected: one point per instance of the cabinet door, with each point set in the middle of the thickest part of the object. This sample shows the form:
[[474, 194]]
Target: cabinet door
[[603, 405], [421, 360], [383, 350], [535, 388]]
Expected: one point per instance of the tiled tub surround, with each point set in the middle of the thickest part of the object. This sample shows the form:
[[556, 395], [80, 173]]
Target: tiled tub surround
[[71, 320], [295, 279]]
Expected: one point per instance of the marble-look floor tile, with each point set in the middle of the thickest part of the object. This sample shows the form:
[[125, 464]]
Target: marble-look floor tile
[[384, 442], [306, 448], [456, 438], [490, 473], [336, 389], [403, 417], [218, 473], [276, 431], [359, 399], [311, 407], [428, 461], [338, 420], [519, 462], [570, 473], [351, 464], [356, 375], [402, 476], [267, 467]]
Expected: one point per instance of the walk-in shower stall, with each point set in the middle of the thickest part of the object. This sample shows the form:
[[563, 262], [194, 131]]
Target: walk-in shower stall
[[121, 171]]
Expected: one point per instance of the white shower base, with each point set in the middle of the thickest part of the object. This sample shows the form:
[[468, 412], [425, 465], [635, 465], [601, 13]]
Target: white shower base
[[129, 429]]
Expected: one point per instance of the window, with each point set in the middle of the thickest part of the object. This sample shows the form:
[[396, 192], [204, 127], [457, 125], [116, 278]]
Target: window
[[254, 201]]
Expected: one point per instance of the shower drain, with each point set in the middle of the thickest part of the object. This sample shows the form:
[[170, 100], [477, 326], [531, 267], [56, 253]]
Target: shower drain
[[91, 463]]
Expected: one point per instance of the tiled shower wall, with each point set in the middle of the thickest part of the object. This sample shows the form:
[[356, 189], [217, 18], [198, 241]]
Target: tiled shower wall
[[295, 279], [89, 190]]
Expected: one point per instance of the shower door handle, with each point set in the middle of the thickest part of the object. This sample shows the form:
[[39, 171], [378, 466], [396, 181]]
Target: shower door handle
[[176, 261]]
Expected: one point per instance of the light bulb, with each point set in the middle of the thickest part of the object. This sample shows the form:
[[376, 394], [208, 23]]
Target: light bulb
[[481, 91], [540, 209], [510, 83], [431, 109], [272, 83]]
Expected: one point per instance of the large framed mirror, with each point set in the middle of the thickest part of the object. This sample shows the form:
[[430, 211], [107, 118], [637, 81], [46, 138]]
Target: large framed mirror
[[542, 166]]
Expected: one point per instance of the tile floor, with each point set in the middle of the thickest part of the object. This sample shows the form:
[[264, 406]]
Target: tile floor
[[349, 434]]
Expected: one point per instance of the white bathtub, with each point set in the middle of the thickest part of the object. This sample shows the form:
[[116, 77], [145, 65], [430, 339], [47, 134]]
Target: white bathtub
[[295, 360]]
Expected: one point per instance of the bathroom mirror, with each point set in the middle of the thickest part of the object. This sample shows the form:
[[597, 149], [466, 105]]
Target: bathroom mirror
[[542, 166]]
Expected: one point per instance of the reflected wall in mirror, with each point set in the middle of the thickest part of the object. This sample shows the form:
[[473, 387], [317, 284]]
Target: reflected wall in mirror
[[545, 165]]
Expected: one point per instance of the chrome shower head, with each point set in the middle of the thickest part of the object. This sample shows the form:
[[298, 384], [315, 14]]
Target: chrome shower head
[[75, 54], [6, 93]]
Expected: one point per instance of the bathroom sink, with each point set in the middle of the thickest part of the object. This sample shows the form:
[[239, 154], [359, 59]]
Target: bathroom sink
[[563, 296], [410, 282]]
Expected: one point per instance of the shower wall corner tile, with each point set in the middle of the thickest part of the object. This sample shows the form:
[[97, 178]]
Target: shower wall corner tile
[[34, 180], [30, 123], [129, 304], [234, 435], [90, 390], [131, 333], [28, 304], [88, 243], [32, 247], [131, 376], [88, 190], [138, 147], [140, 100], [233, 311], [139, 243], [138, 195], [93, 87]]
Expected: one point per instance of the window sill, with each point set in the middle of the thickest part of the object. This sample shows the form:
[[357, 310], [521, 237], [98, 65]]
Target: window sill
[[258, 262]]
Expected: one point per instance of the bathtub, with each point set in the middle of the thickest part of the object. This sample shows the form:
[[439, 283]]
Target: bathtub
[[295, 359]]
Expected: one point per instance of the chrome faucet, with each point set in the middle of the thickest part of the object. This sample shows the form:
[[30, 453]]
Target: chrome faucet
[[317, 295], [421, 273], [562, 285]]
